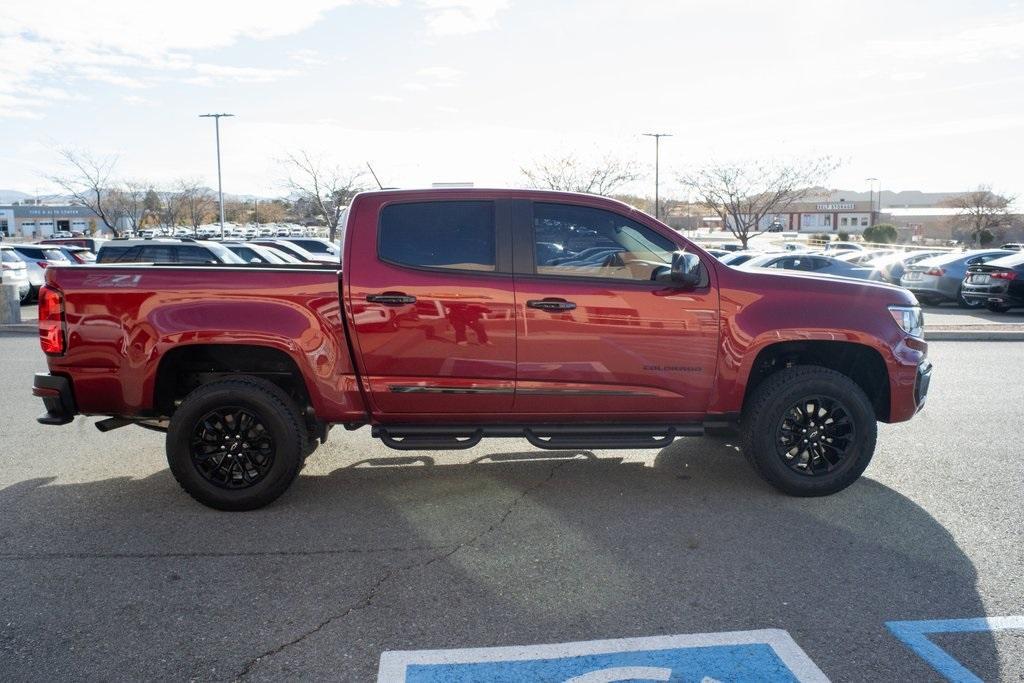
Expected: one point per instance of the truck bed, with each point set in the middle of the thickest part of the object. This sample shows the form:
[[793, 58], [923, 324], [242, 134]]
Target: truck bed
[[124, 317]]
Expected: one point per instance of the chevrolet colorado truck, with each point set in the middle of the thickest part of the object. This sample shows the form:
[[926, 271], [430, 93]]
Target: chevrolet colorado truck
[[573, 321]]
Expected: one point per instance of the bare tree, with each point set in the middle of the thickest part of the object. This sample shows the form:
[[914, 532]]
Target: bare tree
[[981, 210], [569, 174], [328, 188], [172, 210], [744, 195], [127, 201], [196, 200], [89, 181]]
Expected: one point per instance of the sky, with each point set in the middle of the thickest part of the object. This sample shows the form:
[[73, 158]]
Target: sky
[[925, 94]]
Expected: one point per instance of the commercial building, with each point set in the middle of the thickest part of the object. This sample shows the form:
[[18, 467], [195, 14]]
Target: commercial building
[[35, 221]]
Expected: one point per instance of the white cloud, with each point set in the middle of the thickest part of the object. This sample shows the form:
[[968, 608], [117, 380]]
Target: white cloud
[[440, 73], [307, 57], [1003, 40], [130, 44], [386, 98], [460, 17]]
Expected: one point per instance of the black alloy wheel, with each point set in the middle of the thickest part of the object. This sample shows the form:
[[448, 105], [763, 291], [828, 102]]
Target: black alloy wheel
[[814, 435], [231, 448]]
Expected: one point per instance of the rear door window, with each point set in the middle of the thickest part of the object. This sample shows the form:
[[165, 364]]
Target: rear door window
[[195, 255], [157, 254], [119, 255], [449, 235]]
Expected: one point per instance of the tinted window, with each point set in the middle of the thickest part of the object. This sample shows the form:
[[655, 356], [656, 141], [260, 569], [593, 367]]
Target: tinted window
[[584, 242], [118, 254], [194, 255], [157, 254], [7, 256], [458, 235]]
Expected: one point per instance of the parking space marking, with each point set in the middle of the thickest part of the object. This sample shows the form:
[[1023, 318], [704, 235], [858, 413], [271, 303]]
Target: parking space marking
[[764, 655], [914, 635]]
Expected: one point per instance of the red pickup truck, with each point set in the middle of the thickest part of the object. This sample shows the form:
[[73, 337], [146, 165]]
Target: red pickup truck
[[572, 321]]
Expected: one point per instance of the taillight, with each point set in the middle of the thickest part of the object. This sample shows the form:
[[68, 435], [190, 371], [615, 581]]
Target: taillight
[[1004, 275], [937, 272], [51, 321], [42, 264]]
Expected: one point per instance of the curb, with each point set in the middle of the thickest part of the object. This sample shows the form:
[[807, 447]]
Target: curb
[[19, 328], [973, 335]]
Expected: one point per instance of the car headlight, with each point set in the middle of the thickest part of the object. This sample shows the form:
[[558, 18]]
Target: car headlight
[[909, 318]]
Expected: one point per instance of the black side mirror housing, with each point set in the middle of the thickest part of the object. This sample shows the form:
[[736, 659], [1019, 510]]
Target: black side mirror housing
[[686, 270]]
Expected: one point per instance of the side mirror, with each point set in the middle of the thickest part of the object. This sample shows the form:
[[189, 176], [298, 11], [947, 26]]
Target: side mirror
[[686, 270]]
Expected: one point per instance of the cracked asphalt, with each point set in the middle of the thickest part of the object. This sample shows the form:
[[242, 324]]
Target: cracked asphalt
[[109, 571]]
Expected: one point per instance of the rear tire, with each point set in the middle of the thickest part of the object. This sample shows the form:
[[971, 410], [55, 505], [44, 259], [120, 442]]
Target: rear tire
[[236, 444], [837, 439], [997, 308]]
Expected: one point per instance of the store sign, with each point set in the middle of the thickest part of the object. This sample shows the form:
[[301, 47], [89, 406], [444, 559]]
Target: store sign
[[836, 206]]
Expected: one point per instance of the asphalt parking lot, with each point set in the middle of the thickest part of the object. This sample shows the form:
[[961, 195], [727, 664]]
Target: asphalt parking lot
[[108, 570]]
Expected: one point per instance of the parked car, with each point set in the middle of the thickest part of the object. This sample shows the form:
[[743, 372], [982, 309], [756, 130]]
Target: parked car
[[165, 251], [860, 258], [843, 246], [940, 279], [737, 258], [255, 253], [14, 271], [79, 255], [93, 244], [809, 263], [37, 258], [998, 285], [266, 231], [291, 248], [890, 268], [246, 369], [1015, 246], [796, 246], [316, 245]]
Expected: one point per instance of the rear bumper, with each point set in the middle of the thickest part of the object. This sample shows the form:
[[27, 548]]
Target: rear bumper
[[995, 294], [57, 397]]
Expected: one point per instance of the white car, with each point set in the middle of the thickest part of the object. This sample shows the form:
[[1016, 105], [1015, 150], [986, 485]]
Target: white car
[[266, 231], [14, 271], [249, 232]]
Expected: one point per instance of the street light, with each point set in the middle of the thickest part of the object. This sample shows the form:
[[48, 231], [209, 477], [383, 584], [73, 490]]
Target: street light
[[220, 189], [871, 195], [657, 162]]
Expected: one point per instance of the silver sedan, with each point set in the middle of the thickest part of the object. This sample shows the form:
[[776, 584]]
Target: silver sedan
[[938, 279], [810, 263]]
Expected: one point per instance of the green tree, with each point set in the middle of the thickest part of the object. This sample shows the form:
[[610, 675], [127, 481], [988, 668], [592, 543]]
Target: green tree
[[883, 233]]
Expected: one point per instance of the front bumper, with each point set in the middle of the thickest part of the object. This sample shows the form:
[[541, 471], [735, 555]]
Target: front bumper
[[924, 379], [57, 397]]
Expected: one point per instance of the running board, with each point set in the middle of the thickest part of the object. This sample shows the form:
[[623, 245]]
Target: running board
[[553, 436]]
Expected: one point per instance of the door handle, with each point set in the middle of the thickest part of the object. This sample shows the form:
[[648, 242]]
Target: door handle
[[551, 304], [391, 299]]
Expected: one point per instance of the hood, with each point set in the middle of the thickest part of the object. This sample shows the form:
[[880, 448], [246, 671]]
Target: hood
[[802, 285]]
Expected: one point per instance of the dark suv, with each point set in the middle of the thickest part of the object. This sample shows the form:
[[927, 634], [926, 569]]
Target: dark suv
[[998, 284], [164, 251]]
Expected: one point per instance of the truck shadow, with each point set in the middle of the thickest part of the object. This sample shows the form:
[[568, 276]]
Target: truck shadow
[[512, 548]]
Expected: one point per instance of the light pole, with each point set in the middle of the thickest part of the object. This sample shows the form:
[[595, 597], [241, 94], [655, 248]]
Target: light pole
[[871, 194], [657, 163], [220, 188]]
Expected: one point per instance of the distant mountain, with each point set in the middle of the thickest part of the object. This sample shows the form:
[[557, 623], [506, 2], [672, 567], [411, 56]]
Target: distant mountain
[[10, 196], [904, 199]]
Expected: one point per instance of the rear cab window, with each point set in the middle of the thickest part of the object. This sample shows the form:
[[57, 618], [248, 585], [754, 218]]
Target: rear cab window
[[449, 235]]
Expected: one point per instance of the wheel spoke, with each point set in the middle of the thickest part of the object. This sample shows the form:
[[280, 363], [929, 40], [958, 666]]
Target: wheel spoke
[[815, 435], [231, 448]]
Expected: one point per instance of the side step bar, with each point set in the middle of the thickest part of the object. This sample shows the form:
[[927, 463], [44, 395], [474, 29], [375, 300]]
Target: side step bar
[[553, 436]]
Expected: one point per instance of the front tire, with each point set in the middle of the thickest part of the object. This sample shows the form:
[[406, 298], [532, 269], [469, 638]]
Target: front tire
[[809, 431], [236, 444], [997, 308]]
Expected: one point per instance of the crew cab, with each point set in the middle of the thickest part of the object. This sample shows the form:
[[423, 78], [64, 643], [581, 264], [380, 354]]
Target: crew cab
[[454, 319]]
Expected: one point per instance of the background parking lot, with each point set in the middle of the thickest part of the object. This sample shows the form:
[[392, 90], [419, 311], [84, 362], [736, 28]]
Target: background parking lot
[[108, 570]]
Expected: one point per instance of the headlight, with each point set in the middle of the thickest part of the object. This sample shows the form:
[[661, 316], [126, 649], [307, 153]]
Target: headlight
[[909, 318]]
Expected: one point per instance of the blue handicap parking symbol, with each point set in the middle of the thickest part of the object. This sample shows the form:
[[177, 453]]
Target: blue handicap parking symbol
[[764, 655], [914, 635]]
